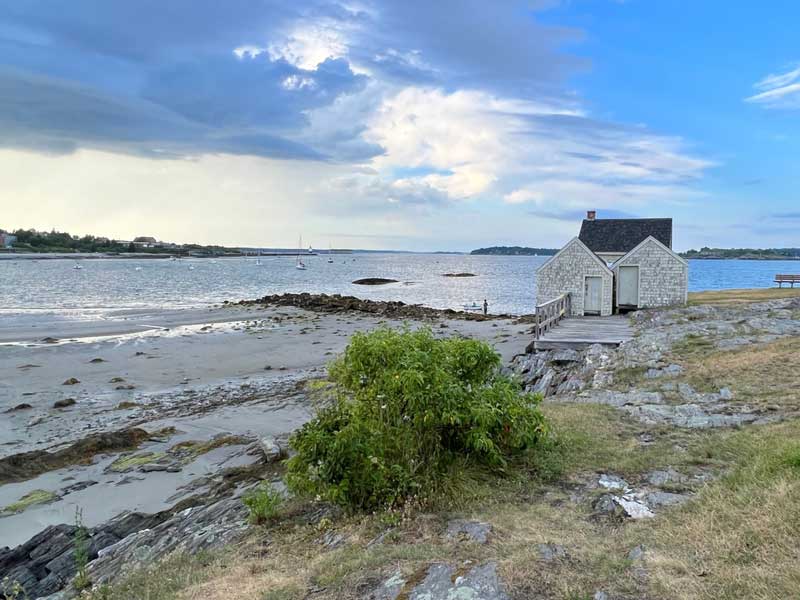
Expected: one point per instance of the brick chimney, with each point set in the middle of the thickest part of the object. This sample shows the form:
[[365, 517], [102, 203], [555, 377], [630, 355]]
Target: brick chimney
[[590, 215]]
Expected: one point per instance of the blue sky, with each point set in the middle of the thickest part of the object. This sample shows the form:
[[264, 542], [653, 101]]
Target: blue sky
[[414, 125]]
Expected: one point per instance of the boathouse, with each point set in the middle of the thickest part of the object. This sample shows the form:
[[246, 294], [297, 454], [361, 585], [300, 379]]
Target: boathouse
[[616, 264]]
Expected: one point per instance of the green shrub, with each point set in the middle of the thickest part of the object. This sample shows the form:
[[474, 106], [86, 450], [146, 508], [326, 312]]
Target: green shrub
[[263, 502], [406, 408]]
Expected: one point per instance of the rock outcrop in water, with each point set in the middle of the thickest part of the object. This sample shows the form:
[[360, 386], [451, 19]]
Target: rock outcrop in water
[[393, 309]]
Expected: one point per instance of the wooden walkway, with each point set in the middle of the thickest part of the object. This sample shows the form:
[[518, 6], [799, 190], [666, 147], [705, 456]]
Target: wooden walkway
[[582, 332]]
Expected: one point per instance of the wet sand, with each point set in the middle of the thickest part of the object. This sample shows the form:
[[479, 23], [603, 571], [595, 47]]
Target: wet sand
[[233, 371]]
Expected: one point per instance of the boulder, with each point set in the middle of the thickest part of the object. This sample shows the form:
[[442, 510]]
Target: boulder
[[64, 403], [475, 531], [272, 450]]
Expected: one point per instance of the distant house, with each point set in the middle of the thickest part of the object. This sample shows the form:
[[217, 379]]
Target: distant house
[[7, 240], [616, 264], [145, 241]]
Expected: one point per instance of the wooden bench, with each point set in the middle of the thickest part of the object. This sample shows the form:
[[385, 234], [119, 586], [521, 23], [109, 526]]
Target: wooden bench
[[792, 279]]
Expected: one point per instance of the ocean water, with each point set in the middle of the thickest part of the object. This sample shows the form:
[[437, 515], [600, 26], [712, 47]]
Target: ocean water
[[29, 287]]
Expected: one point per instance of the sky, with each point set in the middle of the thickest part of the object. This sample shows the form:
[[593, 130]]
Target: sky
[[413, 125]]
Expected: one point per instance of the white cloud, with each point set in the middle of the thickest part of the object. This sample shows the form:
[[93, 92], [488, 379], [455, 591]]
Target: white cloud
[[307, 45], [778, 91]]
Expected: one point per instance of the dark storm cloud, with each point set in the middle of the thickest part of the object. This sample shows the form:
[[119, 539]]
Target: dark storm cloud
[[160, 78]]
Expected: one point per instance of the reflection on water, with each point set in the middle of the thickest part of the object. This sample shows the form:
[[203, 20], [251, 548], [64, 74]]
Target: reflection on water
[[508, 283]]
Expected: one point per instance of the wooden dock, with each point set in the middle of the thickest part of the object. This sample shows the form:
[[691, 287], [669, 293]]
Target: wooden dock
[[581, 332]]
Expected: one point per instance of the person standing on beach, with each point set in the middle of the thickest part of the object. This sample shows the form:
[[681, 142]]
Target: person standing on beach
[[485, 307]]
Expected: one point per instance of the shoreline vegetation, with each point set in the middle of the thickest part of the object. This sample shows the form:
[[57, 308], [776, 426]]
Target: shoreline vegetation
[[743, 254]]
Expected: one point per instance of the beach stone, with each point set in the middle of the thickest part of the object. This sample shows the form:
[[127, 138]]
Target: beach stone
[[726, 394], [600, 596], [550, 552], [71, 381], [22, 406], [476, 531], [271, 449], [98, 360], [64, 403]]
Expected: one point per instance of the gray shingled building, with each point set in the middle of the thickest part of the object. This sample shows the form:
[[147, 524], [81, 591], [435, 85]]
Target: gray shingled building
[[616, 264]]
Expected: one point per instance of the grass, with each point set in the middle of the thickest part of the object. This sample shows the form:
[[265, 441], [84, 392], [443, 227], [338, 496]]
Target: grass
[[28, 500], [264, 504], [764, 374], [730, 297], [738, 540], [131, 461]]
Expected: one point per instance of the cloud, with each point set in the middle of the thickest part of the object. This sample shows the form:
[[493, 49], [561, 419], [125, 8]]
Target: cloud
[[778, 91]]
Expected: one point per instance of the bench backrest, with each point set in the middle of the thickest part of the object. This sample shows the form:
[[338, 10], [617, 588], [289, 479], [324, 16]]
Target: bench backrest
[[787, 277]]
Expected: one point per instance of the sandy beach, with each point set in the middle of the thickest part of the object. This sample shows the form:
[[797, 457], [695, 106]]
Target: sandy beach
[[232, 373]]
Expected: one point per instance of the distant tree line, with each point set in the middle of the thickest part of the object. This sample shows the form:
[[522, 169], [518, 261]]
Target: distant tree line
[[515, 251], [59, 241], [744, 253]]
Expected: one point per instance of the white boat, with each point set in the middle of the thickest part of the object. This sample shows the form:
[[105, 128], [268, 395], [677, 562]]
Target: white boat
[[473, 307], [138, 269], [330, 254], [298, 263], [191, 267], [77, 267], [258, 262]]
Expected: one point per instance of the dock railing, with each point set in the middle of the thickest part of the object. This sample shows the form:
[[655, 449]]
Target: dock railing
[[550, 313]]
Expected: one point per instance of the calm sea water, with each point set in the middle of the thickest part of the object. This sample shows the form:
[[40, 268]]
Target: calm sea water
[[508, 283]]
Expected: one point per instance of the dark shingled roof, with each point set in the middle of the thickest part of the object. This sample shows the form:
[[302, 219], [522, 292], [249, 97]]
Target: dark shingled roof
[[623, 235]]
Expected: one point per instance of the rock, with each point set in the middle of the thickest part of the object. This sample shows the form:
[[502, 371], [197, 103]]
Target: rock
[[64, 403], [605, 505], [71, 381], [331, 540], [95, 361], [473, 530], [661, 478], [268, 368], [600, 596], [37, 420], [726, 394], [374, 281], [27, 465], [459, 275], [633, 508], [272, 450], [550, 552], [23, 406], [50, 340], [389, 589], [443, 582], [565, 356], [636, 553], [150, 537], [656, 499], [152, 467], [612, 482]]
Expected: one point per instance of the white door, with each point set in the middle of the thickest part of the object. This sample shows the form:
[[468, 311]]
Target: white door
[[593, 295], [628, 286]]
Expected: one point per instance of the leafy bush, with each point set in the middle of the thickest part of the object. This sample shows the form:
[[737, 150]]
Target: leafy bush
[[263, 502], [407, 407]]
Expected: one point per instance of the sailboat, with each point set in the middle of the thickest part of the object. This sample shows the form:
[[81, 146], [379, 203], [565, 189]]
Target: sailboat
[[299, 264], [330, 254], [77, 267]]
